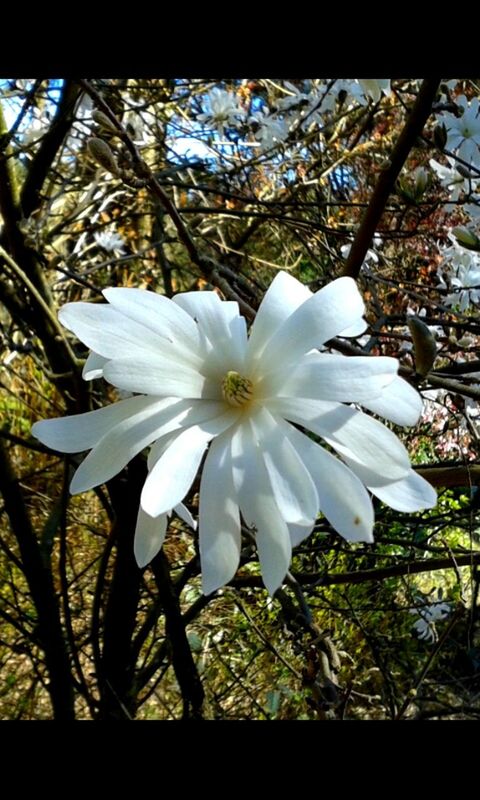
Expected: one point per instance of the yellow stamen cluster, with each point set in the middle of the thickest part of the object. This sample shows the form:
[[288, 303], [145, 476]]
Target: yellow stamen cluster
[[236, 389]]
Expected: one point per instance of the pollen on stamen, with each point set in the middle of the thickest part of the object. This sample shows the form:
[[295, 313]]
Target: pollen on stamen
[[236, 389]]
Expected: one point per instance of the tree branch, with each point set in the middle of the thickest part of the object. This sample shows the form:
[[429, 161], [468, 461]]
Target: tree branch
[[413, 128]]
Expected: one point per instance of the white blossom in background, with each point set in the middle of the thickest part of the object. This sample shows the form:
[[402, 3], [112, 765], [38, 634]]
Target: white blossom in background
[[270, 129], [302, 109], [457, 185], [373, 87], [460, 271], [202, 384], [370, 255], [110, 241], [293, 99], [362, 90], [222, 111], [439, 411], [463, 133], [37, 126], [428, 615]]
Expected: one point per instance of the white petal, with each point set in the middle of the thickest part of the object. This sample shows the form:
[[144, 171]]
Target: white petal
[[399, 402], [159, 447], [273, 544], [184, 514], [159, 376], [299, 532], [128, 438], [328, 312], [284, 295], [343, 498], [93, 367], [358, 327], [149, 537], [219, 522], [410, 494], [259, 508], [82, 431], [219, 322], [109, 333], [352, 433], [173, 474], [292, 486], [332, 377], [160, 315]]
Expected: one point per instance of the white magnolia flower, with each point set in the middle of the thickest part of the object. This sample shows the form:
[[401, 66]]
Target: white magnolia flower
[[111, 242], [466, 278], [294, 99], [373, 87], [428, 615], [362, 89], [463, 133], [460, 270], [222, 111], [458, 187], [456, 183], [202, 383], [271, 130]]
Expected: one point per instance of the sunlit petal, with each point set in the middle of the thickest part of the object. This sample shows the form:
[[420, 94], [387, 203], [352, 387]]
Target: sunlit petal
[[324, 315], [149, 537], [82, 431], [174, 472], [219, 523]]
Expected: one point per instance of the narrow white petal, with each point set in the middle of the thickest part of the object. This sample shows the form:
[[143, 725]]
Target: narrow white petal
[[159, 447], [129, 437], [409, 494], [284, 295], [219, 521], [328, 312], [259, 508], [292, 486], [149, 537], [159, 376], [244, 455], [93, 367], [109, 333], [343, 499], [399, 402], [219, 321], [273, 544], [174, 472], [184, 514], [298, 533], [358, 327], [352, 433], [159, 314], [332, 377], [82, 431]]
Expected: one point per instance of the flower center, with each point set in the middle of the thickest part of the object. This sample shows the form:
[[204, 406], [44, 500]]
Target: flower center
[[236, 389]]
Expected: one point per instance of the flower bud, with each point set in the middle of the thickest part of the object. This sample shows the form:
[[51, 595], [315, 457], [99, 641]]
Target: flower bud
[[101, 153], [421, 181], [101, 119], [405, 190], [466, 238], [424, 346]]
